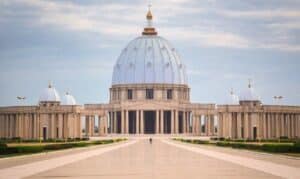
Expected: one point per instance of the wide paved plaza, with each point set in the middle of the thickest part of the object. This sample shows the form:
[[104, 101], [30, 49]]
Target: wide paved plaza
[[164, 158]]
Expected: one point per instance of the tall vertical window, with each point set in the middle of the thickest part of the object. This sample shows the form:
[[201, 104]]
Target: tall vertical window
[[129, 94], [149, 94], [169, 94]]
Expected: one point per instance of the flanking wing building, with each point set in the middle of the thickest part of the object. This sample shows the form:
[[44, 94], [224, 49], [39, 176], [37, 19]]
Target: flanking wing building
[[149, 95]]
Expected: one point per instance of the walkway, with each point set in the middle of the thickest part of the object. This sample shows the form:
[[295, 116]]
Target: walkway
[[161, 159]]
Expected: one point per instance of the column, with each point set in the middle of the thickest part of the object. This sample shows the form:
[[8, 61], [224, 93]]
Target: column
[[100, 126], [122, 121], [184, 122], [104, 124], [239, 125], [126, 122], [157, 122], [142, 122], [162, 121], [246, 126], [176, 122], [60, 126], [137, 126], [172, 122]]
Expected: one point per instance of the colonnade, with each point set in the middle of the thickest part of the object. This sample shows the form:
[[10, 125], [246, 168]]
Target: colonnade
[[40, 125], [259, 125], [90, 125], [204, 125], [121, 121]]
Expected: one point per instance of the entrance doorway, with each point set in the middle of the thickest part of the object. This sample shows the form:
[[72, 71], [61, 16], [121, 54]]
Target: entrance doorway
[[44, 133], [167, 122], [132, 122], [119, 129], [149, 122], [254, 133], [180, 122]]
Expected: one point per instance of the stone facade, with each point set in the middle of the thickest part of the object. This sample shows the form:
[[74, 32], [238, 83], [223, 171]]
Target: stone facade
[[167, 111]]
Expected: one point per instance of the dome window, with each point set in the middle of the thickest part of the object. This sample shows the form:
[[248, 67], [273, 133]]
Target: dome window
[[167, 65], [118, 66], [149, 64], [173, 49], [131, 65], [149, 48], [180, 66]]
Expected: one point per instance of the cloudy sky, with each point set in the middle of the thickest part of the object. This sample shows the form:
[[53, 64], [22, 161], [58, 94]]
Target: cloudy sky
[[75, 43]]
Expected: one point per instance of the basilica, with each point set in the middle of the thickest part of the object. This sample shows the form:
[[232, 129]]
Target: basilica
[[149, 94]]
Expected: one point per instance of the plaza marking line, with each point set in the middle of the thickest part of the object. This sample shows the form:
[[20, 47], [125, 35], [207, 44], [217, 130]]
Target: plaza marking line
[[267, 167], [41, 166]]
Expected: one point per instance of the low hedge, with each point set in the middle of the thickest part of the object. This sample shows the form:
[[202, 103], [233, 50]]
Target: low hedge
[[274, 148], [193, 141], [20, 140], [4, 149]]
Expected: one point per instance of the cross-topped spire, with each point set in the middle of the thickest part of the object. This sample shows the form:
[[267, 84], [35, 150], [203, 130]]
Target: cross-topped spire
[[149, 30]]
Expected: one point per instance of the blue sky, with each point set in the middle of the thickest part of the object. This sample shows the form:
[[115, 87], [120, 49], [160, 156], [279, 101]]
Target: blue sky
[[76, 43]]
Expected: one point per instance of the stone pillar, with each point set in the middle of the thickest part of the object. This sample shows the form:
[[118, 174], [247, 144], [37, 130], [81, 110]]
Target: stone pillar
[[176, 122], [157, 122], [172, 122], [52, 127], [184, 122], [114, 114], [123, 122], [126, 122], [104, 125], [142, 122], [239, 125], [137, 122], [60, 126], [100, 126], [246, 126], [162, 121]]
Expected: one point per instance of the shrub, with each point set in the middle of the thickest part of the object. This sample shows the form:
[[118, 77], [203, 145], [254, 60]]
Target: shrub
[[282, 148], [25, 149], [58, 146]]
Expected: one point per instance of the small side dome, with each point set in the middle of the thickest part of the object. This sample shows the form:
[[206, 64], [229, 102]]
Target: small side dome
[[232, 99], [49, 95], [249, 94], [68, 99]]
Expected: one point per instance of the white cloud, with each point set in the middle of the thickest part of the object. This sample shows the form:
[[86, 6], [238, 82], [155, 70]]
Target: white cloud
[[119, 20], [266, 14]]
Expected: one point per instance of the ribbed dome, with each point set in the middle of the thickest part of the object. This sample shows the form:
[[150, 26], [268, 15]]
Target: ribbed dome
[[249, 94], [149, 59], [49, 95], [68, 100]]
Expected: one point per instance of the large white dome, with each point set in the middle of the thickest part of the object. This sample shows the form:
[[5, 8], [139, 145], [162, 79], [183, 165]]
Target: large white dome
[[49, 95], [149, 59]]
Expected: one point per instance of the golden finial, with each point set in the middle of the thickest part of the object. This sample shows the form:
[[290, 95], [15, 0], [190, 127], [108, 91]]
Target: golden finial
[[149, 30], [149, 14]]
